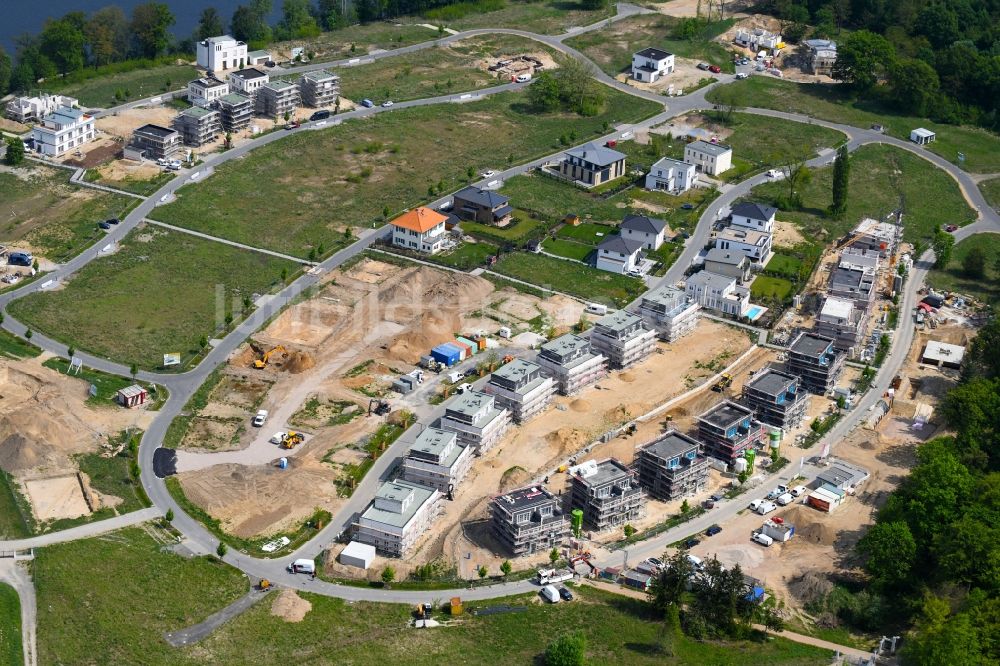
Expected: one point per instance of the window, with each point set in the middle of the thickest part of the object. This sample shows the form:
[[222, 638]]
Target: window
[[522, 517], [604, 492], [674, 462]]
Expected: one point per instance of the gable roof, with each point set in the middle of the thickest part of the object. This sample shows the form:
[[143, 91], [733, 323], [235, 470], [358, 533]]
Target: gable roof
[[754, 211], [599, 155], [649, 225], [621, 245], [654, 54], [420, 219], [481, 197]]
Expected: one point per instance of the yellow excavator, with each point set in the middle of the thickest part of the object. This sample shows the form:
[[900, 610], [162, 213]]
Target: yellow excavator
[[262, 362], [291, 439]]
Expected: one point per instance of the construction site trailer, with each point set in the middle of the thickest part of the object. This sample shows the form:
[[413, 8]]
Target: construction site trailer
[[447, 354], [357, 554], [131, 396], [824, 499]]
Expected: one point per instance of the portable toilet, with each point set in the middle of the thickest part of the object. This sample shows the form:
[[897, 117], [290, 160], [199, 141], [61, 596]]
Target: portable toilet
[[283, 463]]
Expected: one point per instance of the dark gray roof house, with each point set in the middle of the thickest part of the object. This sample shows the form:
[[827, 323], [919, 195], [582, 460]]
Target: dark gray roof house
[[655, 54], [600, 156], [649, 225], [754, 211], [619, 245]]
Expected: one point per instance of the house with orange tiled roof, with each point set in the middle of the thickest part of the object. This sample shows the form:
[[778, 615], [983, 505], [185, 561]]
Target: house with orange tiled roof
[[420, 229]]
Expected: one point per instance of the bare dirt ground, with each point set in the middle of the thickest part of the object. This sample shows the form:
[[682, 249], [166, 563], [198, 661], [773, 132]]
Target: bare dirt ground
[[290, 607], [685, 76], [518, 65], [12, 126], [696, 7], [56, 497], [119, 170], [786, 234], [123, 123]]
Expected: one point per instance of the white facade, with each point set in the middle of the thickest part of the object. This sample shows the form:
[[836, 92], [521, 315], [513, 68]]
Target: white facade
[[670, 176], [921, 136], [754, 216], [618, 255], [204, 92], [710, 158], [63, 130], [217, 54], [650, 64], [759, 39], [248, 81], [670, 311], [754, 244], [718, 292], [421, 241], [399, 514], [29, 109]]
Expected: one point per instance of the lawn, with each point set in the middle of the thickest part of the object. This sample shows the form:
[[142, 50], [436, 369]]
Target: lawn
[[11, 651], [765, 286], [12, 346], [157, 294], [439, 70], [107, 385], [571, 278], [136, 186], [991, 190], [137, 84], [554, 199], [547, 17], [56, 219], [15, 514], [567, 248], [611, 48], [521, 228], [825, 101], [881, 176], [108, 600], [465, 257], [358, 40], [954, 278], [784, 264], [315, 184]]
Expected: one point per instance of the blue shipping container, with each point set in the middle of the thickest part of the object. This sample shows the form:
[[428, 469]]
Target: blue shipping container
[[448, 354]]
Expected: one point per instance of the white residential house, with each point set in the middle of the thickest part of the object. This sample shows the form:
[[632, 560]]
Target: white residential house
[[650, 64], [649, 231], [754, 244], [747, 215], [396, 518], [420, 229], [671, 176], [217, 54], [248, 81], [205, 91], [707, 157], [63, 130], [718, 292], [32, 109], [618, 255], [822, 55]]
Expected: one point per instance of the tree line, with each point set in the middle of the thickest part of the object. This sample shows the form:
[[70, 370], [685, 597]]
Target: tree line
[[935, 58]]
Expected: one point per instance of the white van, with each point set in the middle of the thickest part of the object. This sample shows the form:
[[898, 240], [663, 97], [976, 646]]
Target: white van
[[302, 566], [799, 491], [766, 508], [695, 562], [550, 594], [597, 309], [258, 420], [762, 539], [785, 499], [522, 78]]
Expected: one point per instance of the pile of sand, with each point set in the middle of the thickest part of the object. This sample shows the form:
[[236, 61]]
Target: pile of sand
[[290, 607], [298, 361], [579, 405], [38, 430], [515, 477], [810, 587], [567, 439], [809, 526]]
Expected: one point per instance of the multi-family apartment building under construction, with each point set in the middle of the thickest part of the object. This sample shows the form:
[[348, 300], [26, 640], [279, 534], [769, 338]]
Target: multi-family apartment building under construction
[[476, 420], [570, 360], [528, 520], [319, 88], [776, 398], [816, 361], [727, 430], [437, 460], [522, 387], [672, 466], [608, 493], [670, 311], [622, 337]]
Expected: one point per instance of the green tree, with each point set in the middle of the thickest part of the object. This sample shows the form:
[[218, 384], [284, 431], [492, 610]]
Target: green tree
[[974, 263], [169, 516], [133, 370], [222, 549], [863, 57], [203, 342], [943, 243], [150, 27], [685, 507], [107, 35], [506, 567], [209, 24], [15, 152], [841, 181], [483, 572], [6, 69], [554, 555], [914, 85], [629, 531], [71, 351], [249, 24], [891, 553], [940, 639], [296, 21], [671, 582], [567, 650], [28, 334], [62, 42], [543, 94], [388, 575]]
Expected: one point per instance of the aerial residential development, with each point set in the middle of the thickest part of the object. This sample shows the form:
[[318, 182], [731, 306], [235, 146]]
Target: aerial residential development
[[499, 333]]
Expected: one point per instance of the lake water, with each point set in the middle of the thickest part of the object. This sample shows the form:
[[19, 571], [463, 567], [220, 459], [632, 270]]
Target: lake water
[[20, 16]]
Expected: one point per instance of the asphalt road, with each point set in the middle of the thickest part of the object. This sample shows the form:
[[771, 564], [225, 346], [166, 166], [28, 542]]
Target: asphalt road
[[182, 385]]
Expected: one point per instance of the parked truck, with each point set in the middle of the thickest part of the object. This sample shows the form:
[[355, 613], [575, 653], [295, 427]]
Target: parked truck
[[547, 576]]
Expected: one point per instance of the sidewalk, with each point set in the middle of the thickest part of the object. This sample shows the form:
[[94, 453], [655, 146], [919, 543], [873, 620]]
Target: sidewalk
[[84, 531]]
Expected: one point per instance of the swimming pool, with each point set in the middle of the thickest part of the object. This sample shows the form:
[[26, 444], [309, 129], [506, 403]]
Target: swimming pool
[[754, 312]]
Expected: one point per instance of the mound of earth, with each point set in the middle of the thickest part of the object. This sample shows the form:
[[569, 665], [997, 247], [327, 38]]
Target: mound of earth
[[808, 527], [290, 607], [579, 405], [810, 587], [515, 477], [567, 439], [297, 362]]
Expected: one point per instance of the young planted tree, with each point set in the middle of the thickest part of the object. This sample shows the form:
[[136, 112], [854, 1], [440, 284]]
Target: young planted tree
[[388, 575], [506, 567], [841, 178], [483, 572]]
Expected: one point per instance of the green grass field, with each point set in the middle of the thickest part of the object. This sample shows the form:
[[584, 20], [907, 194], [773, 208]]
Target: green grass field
[[157, 294], [784, 265], [11, 651], [522, 227], [575, 279], [314, 185], [554, 199], [137, 84], [143, 187], [439, 70], [358, 40], [568, 248], [586, 232], [108, 600], [981, 148], [548, 17], [880, 175], [466, 256], [765, 286], [612, 47], [991, 190], [56, 219], [12, 508], [12, 346], [954, 278]]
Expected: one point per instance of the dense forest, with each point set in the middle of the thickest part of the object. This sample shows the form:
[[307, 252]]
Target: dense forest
[[936, 58]]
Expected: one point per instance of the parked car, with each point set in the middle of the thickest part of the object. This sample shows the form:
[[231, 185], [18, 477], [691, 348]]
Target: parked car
[[278, 437], [715, 69], [762, 539], [703, 66], [320, 115], [773, 173], [565, 594], [293, 125], [112, 220], [691, 543], [655, 561], [260, 418], [951, 228], [798, 491], [387, 103], [785, 499], [104, 225], [635, 272], [708, 504], [755, 504], [713, 530], [766, 508], [489, 173], [20, 259], [550, 594], [687, 206], [742, 75], [717, 497], [522, 78], [367, 103]]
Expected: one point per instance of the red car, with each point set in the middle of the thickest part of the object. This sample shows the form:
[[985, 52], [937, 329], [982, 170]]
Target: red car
[[714, 69], [951, 228]]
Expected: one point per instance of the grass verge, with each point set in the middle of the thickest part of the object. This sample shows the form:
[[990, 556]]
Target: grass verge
[[570, 278], [16, 521], [953, 277], [991, 190], [11, 650], [113, 88], [108, 385], [548, 17], [12, 346]]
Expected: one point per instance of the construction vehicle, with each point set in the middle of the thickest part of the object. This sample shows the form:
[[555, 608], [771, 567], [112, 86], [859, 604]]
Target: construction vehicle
[[725, 381], [378, 407], [264, 585], [291, 439], [262, 362], [507, 359]]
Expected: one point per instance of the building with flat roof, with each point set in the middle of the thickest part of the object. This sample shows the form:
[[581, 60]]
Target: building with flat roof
[[670, 176], [623, 338], [718, 292], [853, 283], [33, 109], [840, 320], [727, 430], [754, 244], [522, 387], [874, 235], [841, 475], [206, 90], [670, 311], [197, 125], [216, 54], [592, 165], [476, 420], [816, 361], [235, 112], [650, 64], [437, 460], [275, 99], [672, 466], [155, 142], [607, 492], [396, 518], [776, 398], [319, 88], [710, 158], [528, 520], [248, 81], [943, 354], [63, 130], [570, 361]]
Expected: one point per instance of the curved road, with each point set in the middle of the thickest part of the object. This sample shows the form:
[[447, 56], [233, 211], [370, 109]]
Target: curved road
[[182, 385]]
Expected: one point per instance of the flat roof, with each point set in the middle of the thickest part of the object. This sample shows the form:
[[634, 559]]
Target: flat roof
[[771, 382], [942, 352], [565, 344], [516, 369], [398, 491], [671, 162], [207, 82], [837, 307], [709, 148], [670, 445], [881, 230], [922, 131], [469, 403], [279, 85], [234, 98], [655, 54], [524, 498], [810, 344], [725, 414], [838, 475], [594, 473], [249, 73], [433, 441], [619, 320], [739, 234], [666, 295], [260, 53], [198, 112], [156, 130]]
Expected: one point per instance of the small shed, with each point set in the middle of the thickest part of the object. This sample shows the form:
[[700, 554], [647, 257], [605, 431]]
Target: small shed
[[637, 579], [826, 498], [922, 136], [357, 554], [131, 396]]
